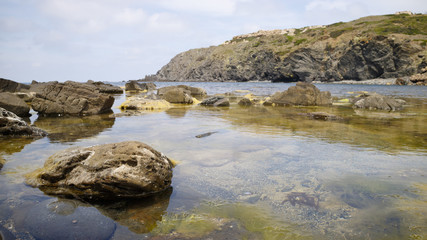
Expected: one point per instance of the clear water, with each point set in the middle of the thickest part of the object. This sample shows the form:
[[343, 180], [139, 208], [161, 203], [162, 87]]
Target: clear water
[[266, 172]]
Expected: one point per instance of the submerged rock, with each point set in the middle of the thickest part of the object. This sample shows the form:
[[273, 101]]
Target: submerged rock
[[70, 98], [12, 125], [109, 171], [323, 116], [377, 101], [13, 103], [303, 94], [217, 101], [64, 219]]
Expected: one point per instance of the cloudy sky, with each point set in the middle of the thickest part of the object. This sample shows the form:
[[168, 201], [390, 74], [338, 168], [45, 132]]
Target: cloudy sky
[[115, 40]]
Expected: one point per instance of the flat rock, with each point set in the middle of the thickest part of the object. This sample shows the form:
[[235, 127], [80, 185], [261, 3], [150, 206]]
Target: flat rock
[[12, 125], [70, 98], [303, 94], [64, 219], [109, 171], [141, 103], [375, 101], [15, 104]]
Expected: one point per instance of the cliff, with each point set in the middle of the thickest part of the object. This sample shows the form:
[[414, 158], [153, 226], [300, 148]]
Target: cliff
[[388, 46]]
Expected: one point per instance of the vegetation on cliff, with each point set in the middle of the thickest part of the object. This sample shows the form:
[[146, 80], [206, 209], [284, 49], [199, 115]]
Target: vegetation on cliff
[[386, 46]]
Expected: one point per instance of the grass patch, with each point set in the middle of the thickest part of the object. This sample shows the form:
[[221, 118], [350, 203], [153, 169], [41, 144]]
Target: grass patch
[[337, 33], [299, 41]]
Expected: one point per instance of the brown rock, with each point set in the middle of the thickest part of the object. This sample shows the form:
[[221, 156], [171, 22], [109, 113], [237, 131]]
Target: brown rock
[[109, 171], [375, 101], [177, 95], [12, 125], [7, 85], [13, 103], [304, 94]]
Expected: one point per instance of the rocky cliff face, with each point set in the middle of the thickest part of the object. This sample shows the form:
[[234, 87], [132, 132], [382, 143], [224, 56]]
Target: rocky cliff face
[[372, 47]]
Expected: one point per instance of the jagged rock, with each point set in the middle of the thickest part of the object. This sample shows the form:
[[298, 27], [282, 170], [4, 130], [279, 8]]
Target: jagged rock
[[304, 94], [134, 85], [419, 79], [217, 101], [193, 91], [70, 98], [109, 171], [377, 101], [7, 85], [177, 95], [12, 125], [105, 87], [13, 103], [401, 82], [140, 103]]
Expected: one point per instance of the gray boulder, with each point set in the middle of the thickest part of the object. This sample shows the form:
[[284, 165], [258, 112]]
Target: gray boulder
[[375, 101], [15, 104], [12, 125], [177, 95], [109, 171], [216, 101], [193, 91], [7, 85], [70, 98], [303, 94]]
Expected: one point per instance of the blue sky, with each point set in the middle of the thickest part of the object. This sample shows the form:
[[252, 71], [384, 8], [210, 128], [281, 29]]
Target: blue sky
[[115, 40]]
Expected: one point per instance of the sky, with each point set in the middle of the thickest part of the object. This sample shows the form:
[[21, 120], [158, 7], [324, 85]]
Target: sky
[[116, 40]]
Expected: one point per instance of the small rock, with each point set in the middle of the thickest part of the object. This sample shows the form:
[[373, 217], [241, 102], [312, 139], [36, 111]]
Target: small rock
[[216, 101], [245, 102]]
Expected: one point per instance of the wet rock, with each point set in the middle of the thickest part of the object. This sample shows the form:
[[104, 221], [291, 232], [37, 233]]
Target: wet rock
[[177, 95], [375, 101], [13, 103], [6, 234], [7, 85], [216, 101], [141, 103], [134, 85], [304, 94], [12, 125], [205, 134], [70, 98], [302, 198], [57, 219], [245, 102], [106, 88], [109, 171], [323, 116]]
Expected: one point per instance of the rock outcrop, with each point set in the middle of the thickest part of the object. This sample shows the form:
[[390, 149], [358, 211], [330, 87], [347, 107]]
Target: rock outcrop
[[110, 171], [15, 104], [7, 85], [303, 94], [12, 125], [367, 48], [70, 98], [375, 101]]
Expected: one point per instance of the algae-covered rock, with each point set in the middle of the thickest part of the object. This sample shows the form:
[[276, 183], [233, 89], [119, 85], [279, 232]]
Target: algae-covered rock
[[304, 94], [141, 103], [109, 171]]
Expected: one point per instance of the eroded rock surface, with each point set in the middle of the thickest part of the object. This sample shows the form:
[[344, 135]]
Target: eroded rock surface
[[12, 125], [109, 171], [375, 101], [15, 104], [216, 101], [70, 98]]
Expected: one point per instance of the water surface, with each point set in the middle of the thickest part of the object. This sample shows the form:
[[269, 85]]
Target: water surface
[[264, 173]]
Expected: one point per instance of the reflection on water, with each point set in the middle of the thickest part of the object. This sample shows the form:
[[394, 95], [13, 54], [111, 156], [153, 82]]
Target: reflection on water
[[265, 173], [71, 129]]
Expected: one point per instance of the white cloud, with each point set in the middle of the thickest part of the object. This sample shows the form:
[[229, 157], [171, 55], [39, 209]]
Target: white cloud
[[129, 16], [166, 23], [218, 7]]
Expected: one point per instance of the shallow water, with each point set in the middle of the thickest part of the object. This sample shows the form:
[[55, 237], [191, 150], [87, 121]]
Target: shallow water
[[263, 173]]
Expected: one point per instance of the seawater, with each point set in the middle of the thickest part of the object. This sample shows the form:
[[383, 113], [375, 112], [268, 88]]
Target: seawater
[[265, 172]]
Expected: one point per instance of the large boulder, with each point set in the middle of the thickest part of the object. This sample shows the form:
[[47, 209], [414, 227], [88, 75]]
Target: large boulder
[[141, 103], [177, 95], [375, 101], [15, 104], [303, 94], [70, 98], [12, 125], [7, 85], [217, 101], [109, 171], [106, 87], [136, 86]]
